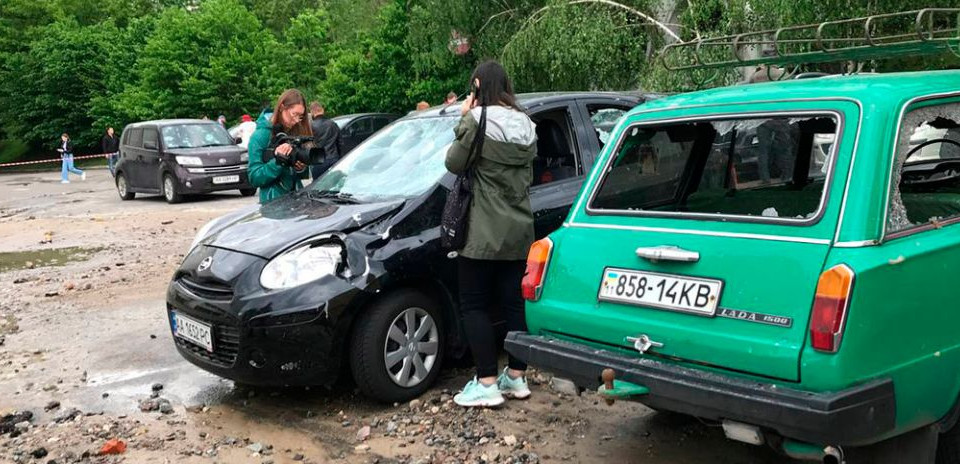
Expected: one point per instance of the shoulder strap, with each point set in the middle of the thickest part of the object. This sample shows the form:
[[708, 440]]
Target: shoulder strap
[[476, 147]]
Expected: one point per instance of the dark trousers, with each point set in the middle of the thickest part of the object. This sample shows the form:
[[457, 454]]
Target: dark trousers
[[485, 285]]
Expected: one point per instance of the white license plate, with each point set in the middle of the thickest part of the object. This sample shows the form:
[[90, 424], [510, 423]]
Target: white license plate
[[193, 331], [226, 179], [664, 291]]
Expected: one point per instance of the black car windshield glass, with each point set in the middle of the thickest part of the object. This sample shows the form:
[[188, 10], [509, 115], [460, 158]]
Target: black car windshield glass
[[195, 136], [403, 160], [771, 168]]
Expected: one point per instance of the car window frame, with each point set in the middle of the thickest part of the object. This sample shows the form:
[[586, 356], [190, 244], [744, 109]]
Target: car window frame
[[131, 139], [885, 233], [626, 127], [594, 145], [156, 132], [575, 144]]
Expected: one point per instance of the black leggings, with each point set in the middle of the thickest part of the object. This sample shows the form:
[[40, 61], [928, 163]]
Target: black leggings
[[483, 284]]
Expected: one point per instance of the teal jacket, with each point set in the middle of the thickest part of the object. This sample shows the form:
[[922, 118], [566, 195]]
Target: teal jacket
[[272, 179]]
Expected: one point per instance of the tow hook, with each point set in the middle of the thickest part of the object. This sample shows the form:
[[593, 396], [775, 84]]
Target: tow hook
[[612, 389]]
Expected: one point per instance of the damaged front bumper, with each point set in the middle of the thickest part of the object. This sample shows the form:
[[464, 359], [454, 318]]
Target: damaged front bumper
[[291, 337], [858, 415]]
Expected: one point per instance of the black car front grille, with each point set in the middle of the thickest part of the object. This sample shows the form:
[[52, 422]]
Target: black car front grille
[[225, 333], [216, 291]]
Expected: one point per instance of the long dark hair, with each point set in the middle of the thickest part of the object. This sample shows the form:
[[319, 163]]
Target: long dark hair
[[289, 98], [495, 86]]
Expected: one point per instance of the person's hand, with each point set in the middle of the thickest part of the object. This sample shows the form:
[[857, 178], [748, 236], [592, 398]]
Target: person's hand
[[60, 150], [468, 104], [299, 166], [284, 150]]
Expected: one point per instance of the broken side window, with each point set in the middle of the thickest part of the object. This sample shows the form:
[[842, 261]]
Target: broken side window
[[773, 167], [926, 181]]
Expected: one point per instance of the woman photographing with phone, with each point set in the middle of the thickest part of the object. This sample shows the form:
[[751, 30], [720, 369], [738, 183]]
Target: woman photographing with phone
[[271, 177], [495, 144]]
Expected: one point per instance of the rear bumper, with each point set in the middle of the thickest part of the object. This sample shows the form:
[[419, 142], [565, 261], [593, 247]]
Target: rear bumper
[[856, 416]]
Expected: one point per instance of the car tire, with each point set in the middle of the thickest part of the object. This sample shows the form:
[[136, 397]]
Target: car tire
[[248, 192], [948, 446], [123, 187], [169, 189], [389, 359]]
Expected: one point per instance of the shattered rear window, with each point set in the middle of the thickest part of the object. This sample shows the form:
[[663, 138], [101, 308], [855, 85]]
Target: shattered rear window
[[926, 181], [773, 168]]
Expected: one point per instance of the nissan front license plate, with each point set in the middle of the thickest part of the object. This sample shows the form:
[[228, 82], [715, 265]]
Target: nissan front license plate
[[193, 331], [226, 179], [664, 291]]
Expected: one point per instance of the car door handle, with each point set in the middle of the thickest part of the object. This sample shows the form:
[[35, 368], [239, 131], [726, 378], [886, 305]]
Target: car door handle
[[668, 253]]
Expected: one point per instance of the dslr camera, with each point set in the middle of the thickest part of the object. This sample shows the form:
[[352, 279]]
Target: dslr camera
[[300, 152]]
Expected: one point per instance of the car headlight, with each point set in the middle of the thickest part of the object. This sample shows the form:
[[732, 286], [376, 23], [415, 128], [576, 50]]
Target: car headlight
[[244, 157], [301, 265], [189, 161], [201, 234]]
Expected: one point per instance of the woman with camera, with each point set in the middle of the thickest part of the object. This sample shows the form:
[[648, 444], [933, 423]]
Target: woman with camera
[[274, 167]]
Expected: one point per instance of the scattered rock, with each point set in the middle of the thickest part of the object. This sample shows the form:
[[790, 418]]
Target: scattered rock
[[51, 293], [149, 405], [166, 223], [157, 387], [29, 265], [39, 452], [104, 395], [391, 427], [565, 386], [361, 449], [415, 404], [67, 415], [255, 447], [510, 440], [165, 407], [51, 406], [113, 446], [70, 286], [298, 457], [363, 433]]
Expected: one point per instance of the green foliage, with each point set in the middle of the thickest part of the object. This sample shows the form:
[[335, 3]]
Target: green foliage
[[541, 56], [78, 66]]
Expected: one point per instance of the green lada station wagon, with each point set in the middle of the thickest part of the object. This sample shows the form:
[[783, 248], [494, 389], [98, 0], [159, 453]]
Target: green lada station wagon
[[783, 258]]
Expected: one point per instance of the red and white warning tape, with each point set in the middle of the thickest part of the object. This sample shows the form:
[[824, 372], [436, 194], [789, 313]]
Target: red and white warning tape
[[57, 160]]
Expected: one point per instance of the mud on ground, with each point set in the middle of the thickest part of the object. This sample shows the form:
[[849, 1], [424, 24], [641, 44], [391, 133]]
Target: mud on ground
[[86, 357]]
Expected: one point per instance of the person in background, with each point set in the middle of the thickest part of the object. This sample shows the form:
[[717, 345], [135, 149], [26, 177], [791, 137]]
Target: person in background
[[499, 229], [66, 160], [222, 120], [247, 126], [451, 99], [423, 106], [110, 146], [275, 180], [326, 135]]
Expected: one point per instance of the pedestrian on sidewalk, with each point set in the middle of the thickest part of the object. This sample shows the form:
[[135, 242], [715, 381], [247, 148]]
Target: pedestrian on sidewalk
[[110, 146], [66, 160], [499, 228]]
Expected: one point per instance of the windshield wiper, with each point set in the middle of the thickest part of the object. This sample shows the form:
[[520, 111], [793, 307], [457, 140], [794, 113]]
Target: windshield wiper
[[332, 195], [211, 145]]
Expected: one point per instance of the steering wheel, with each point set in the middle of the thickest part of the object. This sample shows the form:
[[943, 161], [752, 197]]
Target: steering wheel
[[930, 142]]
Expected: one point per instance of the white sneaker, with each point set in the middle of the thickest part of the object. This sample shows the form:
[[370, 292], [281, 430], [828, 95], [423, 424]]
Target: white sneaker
[[64, 181], [83, 176], [477, 394], [512, 388]]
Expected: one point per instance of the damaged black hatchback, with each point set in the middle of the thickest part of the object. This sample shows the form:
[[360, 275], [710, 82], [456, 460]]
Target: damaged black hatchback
[[349, 272]]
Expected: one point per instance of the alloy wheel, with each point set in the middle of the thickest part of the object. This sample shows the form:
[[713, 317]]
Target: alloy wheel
[[168, 188], [122, 185], [410, 350]]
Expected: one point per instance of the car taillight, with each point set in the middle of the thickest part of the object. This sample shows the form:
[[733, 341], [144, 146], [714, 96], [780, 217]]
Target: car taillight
[[830, 308], [537, 260]]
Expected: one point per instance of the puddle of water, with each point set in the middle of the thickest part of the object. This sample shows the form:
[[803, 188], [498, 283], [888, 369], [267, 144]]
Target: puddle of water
[[16, 260]]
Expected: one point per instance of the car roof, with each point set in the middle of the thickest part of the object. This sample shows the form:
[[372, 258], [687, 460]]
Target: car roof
[[531, 100], [886, 90], [357, 115], [170, 122]]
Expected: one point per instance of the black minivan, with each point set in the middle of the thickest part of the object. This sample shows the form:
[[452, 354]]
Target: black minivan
[[349, 271], [178, 157]]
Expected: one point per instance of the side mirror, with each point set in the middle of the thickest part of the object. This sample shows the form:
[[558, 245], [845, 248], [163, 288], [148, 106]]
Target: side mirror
[[150, 145], [237, 140]]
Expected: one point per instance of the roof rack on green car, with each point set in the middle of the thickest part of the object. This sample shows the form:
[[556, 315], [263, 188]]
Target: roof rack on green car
[[930, 31]]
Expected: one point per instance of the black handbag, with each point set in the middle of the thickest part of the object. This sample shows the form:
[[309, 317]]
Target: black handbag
[[456, 211]]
